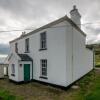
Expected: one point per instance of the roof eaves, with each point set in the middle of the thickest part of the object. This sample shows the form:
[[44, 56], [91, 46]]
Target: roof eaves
[[41, 28], [24, 57], [49, 25], [74, 25]]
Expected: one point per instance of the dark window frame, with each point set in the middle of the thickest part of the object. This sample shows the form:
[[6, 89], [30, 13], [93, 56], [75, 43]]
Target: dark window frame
[[27, 46], [43, 41], [16, 47], [13, 69]]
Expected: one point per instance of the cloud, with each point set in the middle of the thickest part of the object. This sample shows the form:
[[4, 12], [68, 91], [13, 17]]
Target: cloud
[[4, 49], [21, 14]]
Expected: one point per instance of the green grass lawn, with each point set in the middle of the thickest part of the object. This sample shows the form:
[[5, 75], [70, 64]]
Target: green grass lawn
[[5, 95], [89, 89], [97, 60]]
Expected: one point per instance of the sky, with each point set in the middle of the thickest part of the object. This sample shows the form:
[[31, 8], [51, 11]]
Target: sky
[[30, 14]]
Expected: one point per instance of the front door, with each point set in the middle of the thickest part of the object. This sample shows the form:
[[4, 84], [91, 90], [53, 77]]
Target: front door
[[26, 72]]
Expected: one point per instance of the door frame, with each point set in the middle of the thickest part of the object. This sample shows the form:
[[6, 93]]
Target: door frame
[[28, 72]]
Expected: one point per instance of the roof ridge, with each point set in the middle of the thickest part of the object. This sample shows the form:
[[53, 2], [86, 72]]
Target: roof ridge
[[50, 24]]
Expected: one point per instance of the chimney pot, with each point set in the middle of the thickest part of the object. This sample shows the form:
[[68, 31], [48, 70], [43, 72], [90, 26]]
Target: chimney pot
[[75, 16], [74, 7]]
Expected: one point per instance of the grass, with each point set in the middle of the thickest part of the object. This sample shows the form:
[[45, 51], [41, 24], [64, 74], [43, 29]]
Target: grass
[[5, 95], [97, 60], [89, 89]]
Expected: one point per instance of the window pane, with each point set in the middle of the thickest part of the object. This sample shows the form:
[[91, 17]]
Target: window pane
[[27, 45], [43, 40], [44, 67], [16, 47], [13, 68]]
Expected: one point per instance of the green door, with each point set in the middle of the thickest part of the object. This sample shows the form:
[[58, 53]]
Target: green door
[[26, 72]]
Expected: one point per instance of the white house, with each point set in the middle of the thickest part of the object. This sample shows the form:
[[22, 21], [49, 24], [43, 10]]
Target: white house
[[1, 70], [55, 53]]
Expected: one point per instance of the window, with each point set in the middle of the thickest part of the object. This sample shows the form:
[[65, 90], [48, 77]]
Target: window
[[27, 45], [43, 67], [16, 47], [43, 44], [13, 69]]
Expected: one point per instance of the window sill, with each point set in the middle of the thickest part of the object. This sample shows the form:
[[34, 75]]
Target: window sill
[[42, 49], [44, 77], [12, 74], [27, 52]]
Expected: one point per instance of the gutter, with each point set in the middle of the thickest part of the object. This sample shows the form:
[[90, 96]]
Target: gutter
[[32, 69]]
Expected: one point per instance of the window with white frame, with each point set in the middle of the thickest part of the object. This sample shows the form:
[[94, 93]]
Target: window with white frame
[[43, 67], [43, 42], [13, 68]]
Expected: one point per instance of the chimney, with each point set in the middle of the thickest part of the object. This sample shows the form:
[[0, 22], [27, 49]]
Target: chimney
[[23, 33], [75, 16]]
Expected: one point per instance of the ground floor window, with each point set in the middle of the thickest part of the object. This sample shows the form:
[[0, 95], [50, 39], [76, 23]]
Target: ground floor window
[[13, 69], [43, 63]]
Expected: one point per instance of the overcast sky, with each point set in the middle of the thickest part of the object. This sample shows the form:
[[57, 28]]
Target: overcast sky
[[21, 14]]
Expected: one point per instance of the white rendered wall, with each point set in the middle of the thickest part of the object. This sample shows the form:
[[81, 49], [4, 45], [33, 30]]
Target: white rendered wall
[[55, 54], [21, 70], [69, 54], [82, 58], [67, 57], [89, 59], [13, 60]]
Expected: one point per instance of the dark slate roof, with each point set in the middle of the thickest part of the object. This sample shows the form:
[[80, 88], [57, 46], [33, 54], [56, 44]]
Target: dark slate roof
[[89, 47], [65, 18], [25, 57]]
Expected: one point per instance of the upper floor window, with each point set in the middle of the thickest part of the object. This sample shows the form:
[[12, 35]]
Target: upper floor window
[[43, 42], [16, 47], [27, 45]]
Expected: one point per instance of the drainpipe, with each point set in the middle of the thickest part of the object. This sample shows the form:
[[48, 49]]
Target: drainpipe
[[93, 58], [32, 69], [72, 54]]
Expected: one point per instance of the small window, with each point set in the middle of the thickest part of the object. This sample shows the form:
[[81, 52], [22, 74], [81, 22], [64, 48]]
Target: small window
[[43, 44], [16, 47], [27, 45], [43, 67], [13, 68]]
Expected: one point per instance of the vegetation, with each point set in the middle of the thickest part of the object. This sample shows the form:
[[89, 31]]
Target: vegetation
[[97, 60], [89, 89], [90, 86], [96, 48], [97, 55], [5, 95]]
